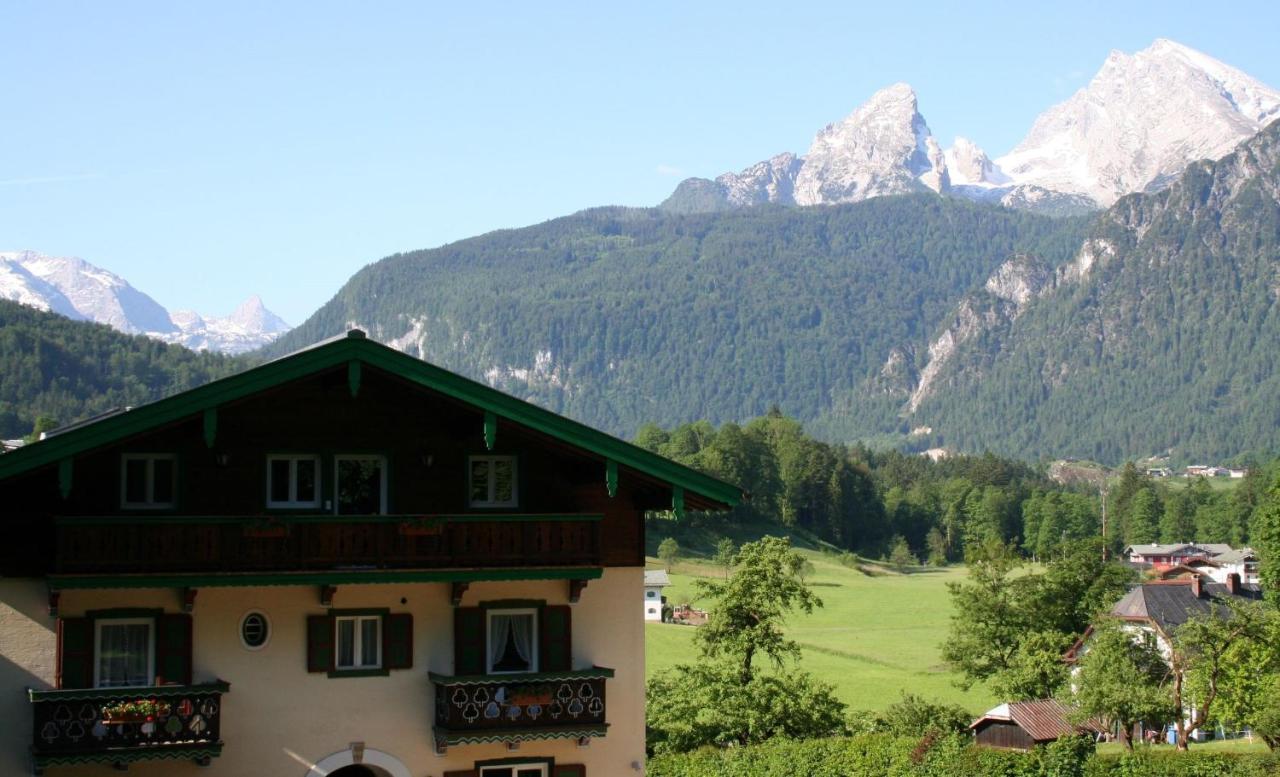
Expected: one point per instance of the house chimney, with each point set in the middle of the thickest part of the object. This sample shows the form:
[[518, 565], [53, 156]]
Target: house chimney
[[1233, 583], [1195, 586]]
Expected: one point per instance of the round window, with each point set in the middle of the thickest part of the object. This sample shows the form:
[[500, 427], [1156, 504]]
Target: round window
[[255, 630]]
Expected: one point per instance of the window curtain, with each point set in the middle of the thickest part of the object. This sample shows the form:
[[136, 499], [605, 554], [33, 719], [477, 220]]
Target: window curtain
[[123, 653], [516, 630]]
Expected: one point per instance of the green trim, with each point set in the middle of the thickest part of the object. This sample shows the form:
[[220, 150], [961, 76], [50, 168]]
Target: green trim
[[594, 673], [343, 577], [487, 736], [126, 612], [611, 477], [131, 754], [210, 426], [339, 352], [299, 517], [65, 472], [352, 611], [490, 430], [353, 377], [512, 604], [95, 694], [334, 674]]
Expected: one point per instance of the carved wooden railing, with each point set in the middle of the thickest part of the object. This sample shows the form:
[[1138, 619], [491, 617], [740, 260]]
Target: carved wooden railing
[[510, 708], [217, 544], [81, 726]]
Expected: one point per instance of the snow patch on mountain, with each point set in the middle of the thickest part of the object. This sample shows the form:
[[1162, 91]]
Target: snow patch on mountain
[[72, 287]]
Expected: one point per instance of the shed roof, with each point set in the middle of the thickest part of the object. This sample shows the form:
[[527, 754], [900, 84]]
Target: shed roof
[[1042, 719]]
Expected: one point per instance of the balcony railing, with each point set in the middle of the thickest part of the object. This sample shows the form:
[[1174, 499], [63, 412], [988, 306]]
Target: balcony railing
[[323, 542], [511, 708], [89, 725]]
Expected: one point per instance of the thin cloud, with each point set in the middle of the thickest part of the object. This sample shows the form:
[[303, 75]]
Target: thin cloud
[[47, 179], [670, 171]]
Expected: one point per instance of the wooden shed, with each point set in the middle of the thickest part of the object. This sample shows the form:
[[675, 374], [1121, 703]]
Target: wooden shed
[[1024, 724]]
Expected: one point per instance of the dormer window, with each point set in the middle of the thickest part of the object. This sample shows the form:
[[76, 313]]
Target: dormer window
[[147, 481], [293, 481], [492, 481]]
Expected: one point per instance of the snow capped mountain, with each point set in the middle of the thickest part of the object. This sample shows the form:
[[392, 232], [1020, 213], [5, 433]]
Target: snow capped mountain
[[74, 288], [883, 147], [1140, 121]]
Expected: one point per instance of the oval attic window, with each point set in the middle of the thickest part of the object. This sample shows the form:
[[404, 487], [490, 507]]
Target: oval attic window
[[255, 630]]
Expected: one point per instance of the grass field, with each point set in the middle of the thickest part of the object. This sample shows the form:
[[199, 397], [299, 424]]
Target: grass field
[[875, 638]]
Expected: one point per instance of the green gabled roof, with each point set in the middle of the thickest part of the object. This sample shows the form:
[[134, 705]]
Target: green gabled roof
[[354, 347]]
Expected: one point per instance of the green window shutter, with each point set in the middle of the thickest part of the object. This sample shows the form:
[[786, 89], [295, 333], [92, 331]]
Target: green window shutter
[[468, 640], [173, 648], [463, 773], [568, 770], [75, 653], [397, 641], [555, 639], [320, 648]]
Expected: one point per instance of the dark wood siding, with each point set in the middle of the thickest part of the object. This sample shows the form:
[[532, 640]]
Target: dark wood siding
[[426, 439], [995, 733]]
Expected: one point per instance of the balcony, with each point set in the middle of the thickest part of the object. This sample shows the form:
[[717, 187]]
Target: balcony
[[79, 725], [512, 708], [194, 544]]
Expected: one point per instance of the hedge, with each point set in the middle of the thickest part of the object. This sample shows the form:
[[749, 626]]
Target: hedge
[[873, 755]]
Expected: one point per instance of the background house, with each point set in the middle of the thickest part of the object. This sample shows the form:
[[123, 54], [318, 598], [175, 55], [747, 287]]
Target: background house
[[654, 581]]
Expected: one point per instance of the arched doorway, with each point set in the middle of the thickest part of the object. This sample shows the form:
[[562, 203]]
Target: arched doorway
[[360, 770], [369, 763]]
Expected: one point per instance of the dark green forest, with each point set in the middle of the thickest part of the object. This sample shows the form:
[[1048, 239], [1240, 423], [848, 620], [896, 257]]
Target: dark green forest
[[645, 317], [67, 370]]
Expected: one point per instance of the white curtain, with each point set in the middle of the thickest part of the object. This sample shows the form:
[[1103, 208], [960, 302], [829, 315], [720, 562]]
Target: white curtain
[[514, 629], [123, 653]]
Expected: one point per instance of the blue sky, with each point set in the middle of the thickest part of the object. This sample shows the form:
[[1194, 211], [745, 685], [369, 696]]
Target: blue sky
[[209, 151]]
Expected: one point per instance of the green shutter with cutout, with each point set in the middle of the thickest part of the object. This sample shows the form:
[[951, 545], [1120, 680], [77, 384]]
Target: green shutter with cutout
[[468, 641], [555, 639], [75, 653], [397, 641], [320, 648]]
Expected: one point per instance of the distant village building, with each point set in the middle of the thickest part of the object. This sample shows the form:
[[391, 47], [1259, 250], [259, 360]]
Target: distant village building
[[1213, 560], [654, 581], [1024, 724]]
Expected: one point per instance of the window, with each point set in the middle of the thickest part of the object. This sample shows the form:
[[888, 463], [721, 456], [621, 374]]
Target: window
[[514, 770], [293, 481], [361, 485], [492, 481], [651, 594], [512, 641], [359, 642], [125, 652], [255, 630], [147, 480]]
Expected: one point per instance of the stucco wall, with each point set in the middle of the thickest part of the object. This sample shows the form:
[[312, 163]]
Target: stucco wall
[[278, 720], [27, 644]]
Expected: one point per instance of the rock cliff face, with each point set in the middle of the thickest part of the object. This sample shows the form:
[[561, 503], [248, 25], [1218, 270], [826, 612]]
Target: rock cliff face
[[1141, 120]]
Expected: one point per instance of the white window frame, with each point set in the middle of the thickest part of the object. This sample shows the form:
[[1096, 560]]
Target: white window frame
[[541, 767], [293, 459], [150, 459], [357, 645], [382, 486], [493, 483], [98, 623], [535, 661]]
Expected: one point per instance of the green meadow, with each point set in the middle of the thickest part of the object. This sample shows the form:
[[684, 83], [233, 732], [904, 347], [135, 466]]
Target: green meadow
[[876, 637]]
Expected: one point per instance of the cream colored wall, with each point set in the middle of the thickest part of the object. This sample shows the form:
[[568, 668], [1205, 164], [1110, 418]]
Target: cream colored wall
[[278, 720], [28, 641]]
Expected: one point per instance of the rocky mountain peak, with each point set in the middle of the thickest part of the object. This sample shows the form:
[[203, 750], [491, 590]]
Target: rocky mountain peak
[[253, 316], [968, 165]]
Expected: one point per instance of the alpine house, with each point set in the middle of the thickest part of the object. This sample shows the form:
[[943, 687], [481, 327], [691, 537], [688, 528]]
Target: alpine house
[[344, 562]]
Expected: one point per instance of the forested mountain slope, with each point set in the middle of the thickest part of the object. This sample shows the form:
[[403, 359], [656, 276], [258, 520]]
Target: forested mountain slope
[[620, 317], [69, 370], [1163, 333]]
